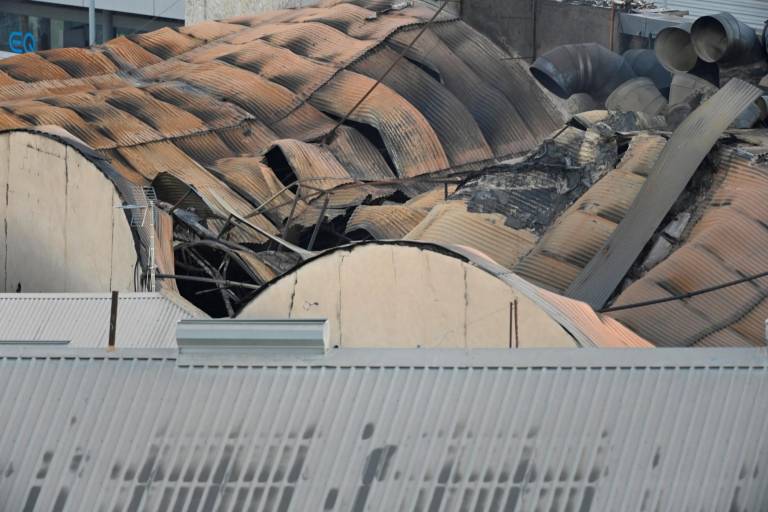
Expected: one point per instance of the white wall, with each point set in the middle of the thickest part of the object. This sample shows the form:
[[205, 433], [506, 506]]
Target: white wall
[[199, 10], [60, 229], [400, 296]]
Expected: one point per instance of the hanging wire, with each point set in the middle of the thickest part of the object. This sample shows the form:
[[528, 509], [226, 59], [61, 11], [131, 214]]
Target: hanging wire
[[685, 295]]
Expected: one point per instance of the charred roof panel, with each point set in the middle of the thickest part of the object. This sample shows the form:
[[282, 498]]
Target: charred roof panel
[[726, 244], [582, 230], [129, 55], [31, 67], [80, 62], [454, 125], [450, 223], [498, 119], [411, 141], [166, 42], [385, 222], [186, 103]]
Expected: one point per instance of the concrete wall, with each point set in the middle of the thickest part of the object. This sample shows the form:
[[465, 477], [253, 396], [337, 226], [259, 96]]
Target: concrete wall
[[404, 297], [160, 8], [528, 28], [199, 10], [60, 229]]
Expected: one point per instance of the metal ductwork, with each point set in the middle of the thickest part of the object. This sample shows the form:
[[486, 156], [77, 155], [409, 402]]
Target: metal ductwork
[[674, 48], [637, 95], [723, 39], [645, 63], [582, 68], [687, 88]]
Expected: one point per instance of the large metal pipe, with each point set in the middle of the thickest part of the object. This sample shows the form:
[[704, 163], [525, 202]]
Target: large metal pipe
[[723, 39], [687, 88], [637, 95], [582, 68], [646, 63], [674, 48]]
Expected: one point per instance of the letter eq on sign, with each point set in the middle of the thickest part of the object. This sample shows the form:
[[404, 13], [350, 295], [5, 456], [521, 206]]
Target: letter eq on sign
[[20, 42]]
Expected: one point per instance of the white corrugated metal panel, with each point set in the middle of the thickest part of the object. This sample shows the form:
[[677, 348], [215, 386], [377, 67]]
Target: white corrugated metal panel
[[600, 430], [752, 12], [143, 319]]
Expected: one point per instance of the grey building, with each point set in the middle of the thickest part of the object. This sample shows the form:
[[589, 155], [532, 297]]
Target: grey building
[[29, 25]]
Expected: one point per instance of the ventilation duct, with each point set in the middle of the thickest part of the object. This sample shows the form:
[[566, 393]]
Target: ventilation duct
[[723, 39], [675, 50], [687, 88], [582, 68], [637, 95], [646, 63]]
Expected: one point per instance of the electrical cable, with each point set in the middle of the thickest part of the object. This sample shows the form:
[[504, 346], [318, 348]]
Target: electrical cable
[[340, 122], [684, 295]]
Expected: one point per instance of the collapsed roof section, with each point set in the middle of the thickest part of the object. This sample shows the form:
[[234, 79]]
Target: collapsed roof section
[[185, 102]]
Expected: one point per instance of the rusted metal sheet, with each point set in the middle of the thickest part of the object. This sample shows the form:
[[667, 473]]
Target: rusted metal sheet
[[129, 55], [32, 67], [678, 161], [427, 200], [189, 102], [496, 116], [450, 223], [411, 142], [725, 244], [254, 180], [5, 79], [571, 243], [385, 222], [359, 156], [166, 42], [538, 116], [457, 130], [80, 62]]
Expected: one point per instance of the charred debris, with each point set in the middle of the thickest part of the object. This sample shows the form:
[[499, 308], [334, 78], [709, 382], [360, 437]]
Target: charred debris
[[641, 96]]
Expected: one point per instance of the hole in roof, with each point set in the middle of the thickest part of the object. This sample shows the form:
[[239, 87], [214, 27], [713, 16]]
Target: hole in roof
[[276, 160], [207, 296]]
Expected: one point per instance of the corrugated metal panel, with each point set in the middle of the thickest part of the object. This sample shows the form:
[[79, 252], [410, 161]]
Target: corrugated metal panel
[[376, 430], [411, 141], [569, 245], [752, 12], [144, 319], [385, 222], [454, 125], [450, 223], [180, 101], [726, 244], [673, 169]]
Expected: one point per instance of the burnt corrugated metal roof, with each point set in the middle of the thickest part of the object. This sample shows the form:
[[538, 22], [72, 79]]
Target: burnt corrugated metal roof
[[568, 246], [727, 243], [486, 430], [211, 104], [676, 164], [82, 319]]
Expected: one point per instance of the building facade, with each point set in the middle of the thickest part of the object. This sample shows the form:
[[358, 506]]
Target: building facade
[[32, 25]]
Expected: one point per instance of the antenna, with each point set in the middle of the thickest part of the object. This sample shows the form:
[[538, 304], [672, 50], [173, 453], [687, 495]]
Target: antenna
[[146, 199]]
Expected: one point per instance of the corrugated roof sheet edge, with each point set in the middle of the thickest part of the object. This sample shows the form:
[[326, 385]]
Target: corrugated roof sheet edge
[[436, 358]]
